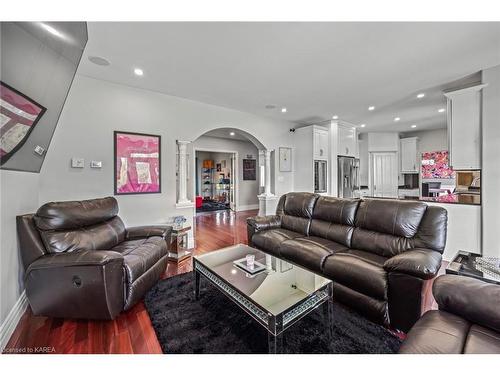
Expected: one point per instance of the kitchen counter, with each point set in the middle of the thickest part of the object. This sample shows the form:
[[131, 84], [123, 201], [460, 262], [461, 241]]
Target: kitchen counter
[[467, 199]]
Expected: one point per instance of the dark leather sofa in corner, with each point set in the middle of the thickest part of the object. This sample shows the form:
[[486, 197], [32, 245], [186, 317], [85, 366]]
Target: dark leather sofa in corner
[[380, 253], [468, 319], [81, 261]]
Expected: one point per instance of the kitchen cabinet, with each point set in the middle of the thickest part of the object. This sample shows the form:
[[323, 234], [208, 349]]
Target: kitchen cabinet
[[311, 158], [320, 143], [464, 127], [347, 140], [409, 163]]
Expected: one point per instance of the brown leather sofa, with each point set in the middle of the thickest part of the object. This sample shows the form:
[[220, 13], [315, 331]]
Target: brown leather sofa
[[380, 253], [81, 261], [468, 319]]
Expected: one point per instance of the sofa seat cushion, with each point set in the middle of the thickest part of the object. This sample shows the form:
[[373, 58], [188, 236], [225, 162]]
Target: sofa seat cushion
[[270, 240], [359, 270], [140, 255], [482, 340], [309, 252], [436, 332]]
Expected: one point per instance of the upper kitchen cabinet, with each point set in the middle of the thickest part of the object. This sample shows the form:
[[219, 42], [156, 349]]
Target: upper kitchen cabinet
[[464, 127], [409, 162], [348, 140], [320, 143]]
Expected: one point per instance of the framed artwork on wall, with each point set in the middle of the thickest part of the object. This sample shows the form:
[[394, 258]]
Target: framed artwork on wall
[[249, 169], [137, 163], [285, 159], [18, 117]]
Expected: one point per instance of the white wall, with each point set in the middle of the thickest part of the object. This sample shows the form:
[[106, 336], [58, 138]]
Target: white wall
[[95, 109], [490, 178], [430, 140], [247, 190], [18, 195]]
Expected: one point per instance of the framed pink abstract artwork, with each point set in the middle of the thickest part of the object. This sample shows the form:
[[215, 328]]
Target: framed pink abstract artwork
[[18, 116], [435, 165], [137, 163]]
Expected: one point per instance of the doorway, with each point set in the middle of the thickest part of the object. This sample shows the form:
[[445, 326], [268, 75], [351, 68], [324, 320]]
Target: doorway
[[384, 174], [215, 182]]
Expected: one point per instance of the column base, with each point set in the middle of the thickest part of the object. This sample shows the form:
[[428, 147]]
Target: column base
[[184, 204], [267, 204]]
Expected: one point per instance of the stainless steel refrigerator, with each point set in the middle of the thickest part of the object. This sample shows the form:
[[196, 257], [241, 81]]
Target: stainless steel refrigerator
[[348, 181]]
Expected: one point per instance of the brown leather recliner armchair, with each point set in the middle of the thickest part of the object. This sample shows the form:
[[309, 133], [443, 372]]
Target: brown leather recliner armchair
[[81, 261], [468, 319], [380, 253]]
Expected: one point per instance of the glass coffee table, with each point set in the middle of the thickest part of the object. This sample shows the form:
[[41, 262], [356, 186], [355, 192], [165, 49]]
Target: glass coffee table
[[276, 297], [476, 266]]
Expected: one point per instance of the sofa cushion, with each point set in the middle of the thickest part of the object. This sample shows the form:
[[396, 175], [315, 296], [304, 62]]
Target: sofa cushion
[[359, 270], [270, 240], [482, 340], [436, 332], [75, 214], [140, 255], [309, 252], [394, 217], [102, 236], [297, 212]]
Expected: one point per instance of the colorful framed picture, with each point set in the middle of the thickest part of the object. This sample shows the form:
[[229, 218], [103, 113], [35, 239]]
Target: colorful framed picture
[[137, 163], [249, 169], [18, 116], [435, 165]]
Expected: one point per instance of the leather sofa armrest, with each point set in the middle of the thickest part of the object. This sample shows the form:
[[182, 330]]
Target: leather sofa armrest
[[86, 284], [469, 298], [260, 223], [145, 231], [421, 263], [76, 258]]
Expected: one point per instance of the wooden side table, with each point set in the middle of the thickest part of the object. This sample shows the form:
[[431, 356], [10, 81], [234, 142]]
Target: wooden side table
[[179, 245]]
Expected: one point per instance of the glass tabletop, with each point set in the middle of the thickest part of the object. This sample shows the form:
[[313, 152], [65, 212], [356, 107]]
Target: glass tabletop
[[277, 288], [476, 266]]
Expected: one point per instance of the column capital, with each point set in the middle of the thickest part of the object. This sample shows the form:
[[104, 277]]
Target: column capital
[[179, 142]]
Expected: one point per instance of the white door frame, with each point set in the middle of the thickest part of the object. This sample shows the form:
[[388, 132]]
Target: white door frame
[[235, 178]]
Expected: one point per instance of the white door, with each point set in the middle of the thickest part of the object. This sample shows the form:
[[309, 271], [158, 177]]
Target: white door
[[384, 174]]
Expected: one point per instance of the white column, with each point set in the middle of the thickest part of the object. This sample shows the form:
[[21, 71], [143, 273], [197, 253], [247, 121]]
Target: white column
[[267, 200], [182, 200]]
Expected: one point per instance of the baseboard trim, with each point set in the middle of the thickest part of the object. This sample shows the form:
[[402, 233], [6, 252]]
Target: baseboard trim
[[248, 207], [12, 319]]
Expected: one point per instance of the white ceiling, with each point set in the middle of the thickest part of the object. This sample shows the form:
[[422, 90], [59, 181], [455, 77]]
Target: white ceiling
[[316, 70]]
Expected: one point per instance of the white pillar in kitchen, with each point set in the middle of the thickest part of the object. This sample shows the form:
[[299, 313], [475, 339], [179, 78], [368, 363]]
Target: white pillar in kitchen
[[267, 200], [334, 150], [182, 200]]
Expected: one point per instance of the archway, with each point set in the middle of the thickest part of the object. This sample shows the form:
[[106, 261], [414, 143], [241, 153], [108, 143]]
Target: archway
[[234, 175]]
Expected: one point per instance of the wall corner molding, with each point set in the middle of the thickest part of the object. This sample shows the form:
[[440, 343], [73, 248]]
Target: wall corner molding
[[9, 325]]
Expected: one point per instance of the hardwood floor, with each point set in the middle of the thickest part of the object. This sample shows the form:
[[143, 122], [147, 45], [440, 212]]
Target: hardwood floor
[[130, 332]]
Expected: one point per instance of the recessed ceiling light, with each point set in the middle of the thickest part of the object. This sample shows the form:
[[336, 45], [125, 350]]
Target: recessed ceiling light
[[441, 110], [363, 125], [335, 117], [371, 108], [52, 30], [231, 134], [414, 126], [99, 60], [283, 110], [138, 72], [421, 95], [396, 119]]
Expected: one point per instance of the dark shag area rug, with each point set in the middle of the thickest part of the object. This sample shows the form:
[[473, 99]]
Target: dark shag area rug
[[214, 324]]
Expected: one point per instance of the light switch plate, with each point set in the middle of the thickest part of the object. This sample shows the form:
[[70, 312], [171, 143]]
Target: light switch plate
[[96, 164], [77, 163]]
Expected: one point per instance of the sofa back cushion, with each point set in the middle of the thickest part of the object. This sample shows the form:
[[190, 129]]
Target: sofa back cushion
[[333, 219], [80, 225], [297, 211], [387, 227]]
